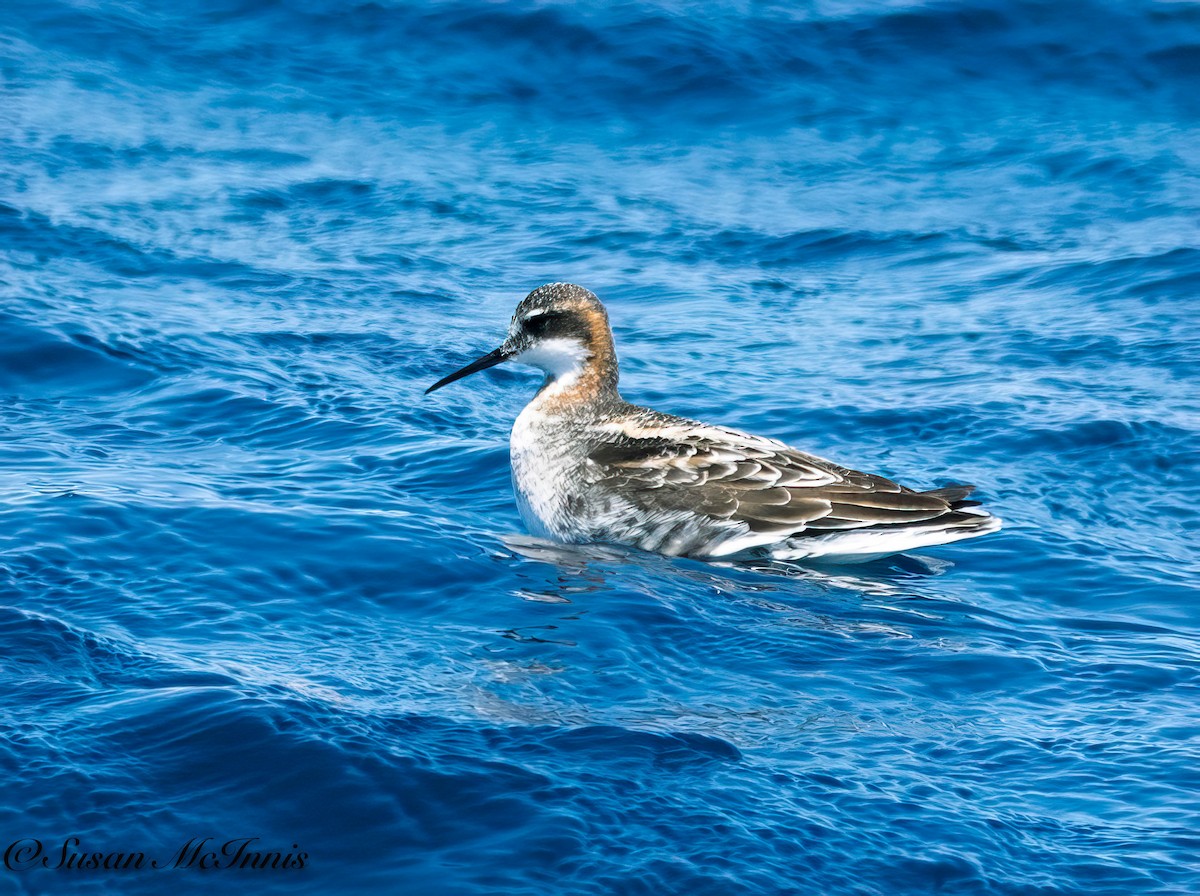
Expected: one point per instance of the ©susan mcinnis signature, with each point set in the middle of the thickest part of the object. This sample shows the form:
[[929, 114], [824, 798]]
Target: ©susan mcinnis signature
[[198, 853]]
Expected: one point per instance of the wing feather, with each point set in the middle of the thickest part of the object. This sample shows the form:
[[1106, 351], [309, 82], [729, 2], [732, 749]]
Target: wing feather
[[732, 477]]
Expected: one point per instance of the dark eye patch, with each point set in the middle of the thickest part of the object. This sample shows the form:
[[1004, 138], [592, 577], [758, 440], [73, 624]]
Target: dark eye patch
[[551, 323]]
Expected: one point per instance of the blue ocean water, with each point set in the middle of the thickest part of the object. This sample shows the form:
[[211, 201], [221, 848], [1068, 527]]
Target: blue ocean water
[[256, 586]]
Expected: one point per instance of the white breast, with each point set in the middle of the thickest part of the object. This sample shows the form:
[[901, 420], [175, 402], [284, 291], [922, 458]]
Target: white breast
[[544, 474], [558, 499]]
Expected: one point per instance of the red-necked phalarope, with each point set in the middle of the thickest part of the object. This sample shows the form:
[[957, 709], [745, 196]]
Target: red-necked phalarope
[[588, 466]]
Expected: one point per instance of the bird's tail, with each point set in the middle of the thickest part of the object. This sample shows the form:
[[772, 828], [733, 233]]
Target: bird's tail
[[954, 495]]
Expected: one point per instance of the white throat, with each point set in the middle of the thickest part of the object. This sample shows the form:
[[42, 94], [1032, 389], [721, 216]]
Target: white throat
[[562, 359]]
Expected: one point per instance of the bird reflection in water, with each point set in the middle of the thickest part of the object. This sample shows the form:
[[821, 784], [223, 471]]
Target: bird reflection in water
[[585, 568]]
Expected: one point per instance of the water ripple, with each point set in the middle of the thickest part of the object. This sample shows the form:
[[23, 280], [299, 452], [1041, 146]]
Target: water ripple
[[255, 584]]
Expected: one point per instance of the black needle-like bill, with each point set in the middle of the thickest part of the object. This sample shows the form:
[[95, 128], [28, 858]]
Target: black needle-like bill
[[491, 359]]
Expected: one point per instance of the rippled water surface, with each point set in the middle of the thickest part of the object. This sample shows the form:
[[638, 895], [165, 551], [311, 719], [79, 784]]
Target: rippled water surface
[[256, 585]]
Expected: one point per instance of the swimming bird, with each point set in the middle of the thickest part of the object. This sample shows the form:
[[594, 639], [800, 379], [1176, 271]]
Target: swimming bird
[[587, 466]]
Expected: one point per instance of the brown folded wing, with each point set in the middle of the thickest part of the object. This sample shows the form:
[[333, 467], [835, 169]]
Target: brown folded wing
[[769, 487]]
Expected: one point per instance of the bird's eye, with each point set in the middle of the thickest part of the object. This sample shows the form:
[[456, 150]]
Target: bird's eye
[[541, 324]]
